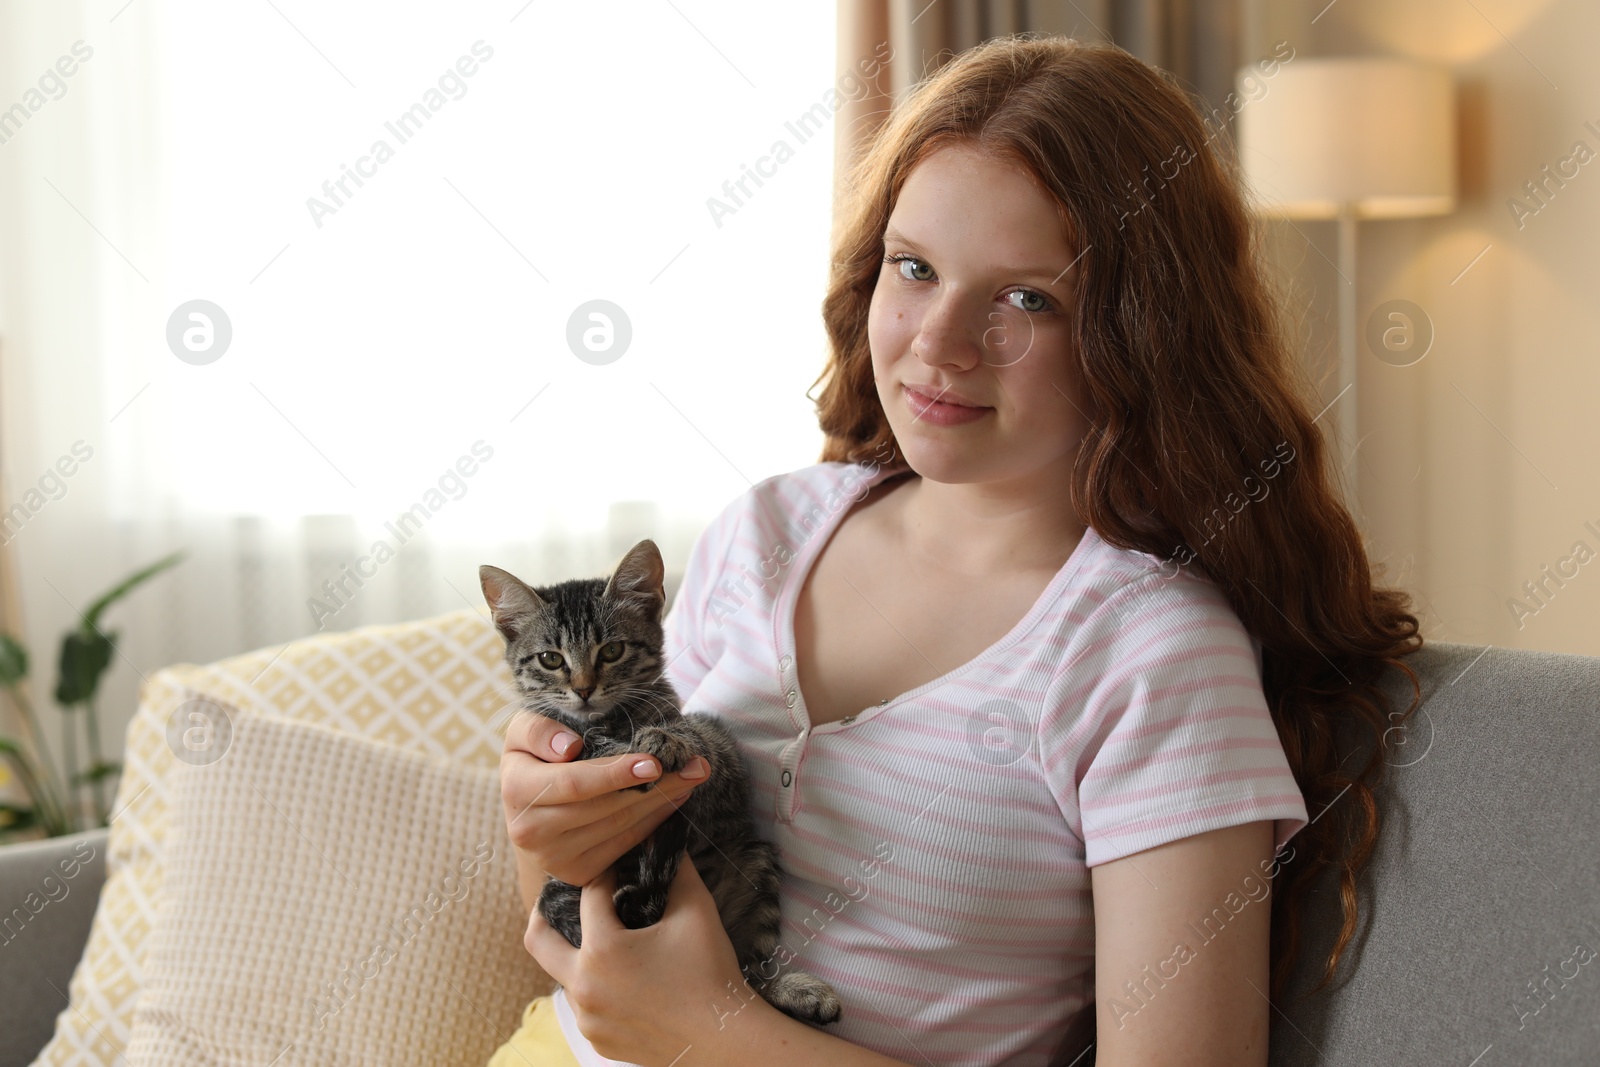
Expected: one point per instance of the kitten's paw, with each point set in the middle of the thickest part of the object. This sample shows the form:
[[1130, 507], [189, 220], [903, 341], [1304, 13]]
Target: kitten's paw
[[803, 996], [673, 752]]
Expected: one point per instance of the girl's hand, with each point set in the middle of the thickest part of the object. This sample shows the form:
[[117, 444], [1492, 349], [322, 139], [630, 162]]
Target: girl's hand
[[646, 996], [576, 818]]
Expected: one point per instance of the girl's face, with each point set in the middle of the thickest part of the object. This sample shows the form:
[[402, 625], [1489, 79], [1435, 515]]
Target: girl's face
[[970, 321]]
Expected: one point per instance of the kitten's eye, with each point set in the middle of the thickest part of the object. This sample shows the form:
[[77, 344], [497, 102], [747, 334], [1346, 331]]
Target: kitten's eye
[[611, 651], [550, 660]]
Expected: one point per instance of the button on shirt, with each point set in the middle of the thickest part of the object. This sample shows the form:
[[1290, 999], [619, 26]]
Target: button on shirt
[[937, 846]]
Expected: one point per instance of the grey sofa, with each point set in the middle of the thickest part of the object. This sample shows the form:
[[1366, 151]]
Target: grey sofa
[[1477, 950], [48, 893]]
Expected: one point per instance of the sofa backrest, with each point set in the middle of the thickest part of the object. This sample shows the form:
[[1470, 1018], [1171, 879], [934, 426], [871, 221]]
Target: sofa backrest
[[48, 890], [1481, 906]]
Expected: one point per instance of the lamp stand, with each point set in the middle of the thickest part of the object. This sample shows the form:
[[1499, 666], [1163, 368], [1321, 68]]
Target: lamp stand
[[1346, 403]]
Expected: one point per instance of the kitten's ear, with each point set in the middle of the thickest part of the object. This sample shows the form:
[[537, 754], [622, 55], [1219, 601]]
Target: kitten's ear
[[639, 576], [510, 600]]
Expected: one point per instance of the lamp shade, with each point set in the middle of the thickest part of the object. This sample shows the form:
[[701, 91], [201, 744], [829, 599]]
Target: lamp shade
[[1374, 135]]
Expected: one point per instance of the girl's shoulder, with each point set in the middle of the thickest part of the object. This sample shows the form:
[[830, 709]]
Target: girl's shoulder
[[1122, 601], [773, 519], [739, 558]]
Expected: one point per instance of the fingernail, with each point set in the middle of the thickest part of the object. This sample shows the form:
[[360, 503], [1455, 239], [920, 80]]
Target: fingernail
[[562, 741], [644, 768], [697, 768]]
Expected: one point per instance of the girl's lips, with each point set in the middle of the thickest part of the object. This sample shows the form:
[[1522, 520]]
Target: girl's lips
[[926, 409]]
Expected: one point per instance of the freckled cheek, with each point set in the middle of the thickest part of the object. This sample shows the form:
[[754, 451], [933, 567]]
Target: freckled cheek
[[890, 331], [1037, 380], [1018, 351]]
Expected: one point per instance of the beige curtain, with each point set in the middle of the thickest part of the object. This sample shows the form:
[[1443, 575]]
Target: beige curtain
[[12, 724], [1201, 43]]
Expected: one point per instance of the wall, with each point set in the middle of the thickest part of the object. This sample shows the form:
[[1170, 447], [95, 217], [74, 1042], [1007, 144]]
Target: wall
[[1477, 465]]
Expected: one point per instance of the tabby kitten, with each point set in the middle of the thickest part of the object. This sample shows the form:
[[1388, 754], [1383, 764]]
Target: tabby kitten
[[587, 653]]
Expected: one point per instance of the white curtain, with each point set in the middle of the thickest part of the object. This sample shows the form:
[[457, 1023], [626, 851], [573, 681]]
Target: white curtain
[[400, 210]]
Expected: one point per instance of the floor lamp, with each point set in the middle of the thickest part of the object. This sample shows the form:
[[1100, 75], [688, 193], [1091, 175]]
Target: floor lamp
[[1348, 139]]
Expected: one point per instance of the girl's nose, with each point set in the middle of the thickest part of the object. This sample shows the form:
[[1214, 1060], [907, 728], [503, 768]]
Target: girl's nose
[[951, 334]]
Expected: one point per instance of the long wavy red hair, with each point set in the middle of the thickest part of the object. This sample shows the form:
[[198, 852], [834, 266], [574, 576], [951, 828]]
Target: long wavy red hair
[[1183, 345]]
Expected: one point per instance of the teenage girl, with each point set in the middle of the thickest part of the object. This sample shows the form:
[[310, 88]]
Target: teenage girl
[[1039, 671]]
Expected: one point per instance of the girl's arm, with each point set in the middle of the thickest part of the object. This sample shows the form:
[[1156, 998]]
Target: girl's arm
[[763, 1034], [1181, 951]]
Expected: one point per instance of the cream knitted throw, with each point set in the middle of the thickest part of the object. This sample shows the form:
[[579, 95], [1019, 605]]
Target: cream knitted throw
[[333, 900]]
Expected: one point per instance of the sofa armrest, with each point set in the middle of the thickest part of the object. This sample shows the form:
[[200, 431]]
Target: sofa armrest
[[48, 893]]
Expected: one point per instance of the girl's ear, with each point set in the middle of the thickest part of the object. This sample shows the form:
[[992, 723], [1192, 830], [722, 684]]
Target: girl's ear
[[639, 577], [510, 600]]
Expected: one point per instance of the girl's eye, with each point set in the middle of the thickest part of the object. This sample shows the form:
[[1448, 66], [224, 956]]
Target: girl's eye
[[1028, 294], [611, 651], [1035, 303], [902, 258], [550, 660]]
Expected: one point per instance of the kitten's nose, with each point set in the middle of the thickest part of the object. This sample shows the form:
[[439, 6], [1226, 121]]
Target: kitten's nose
[[583, 692]]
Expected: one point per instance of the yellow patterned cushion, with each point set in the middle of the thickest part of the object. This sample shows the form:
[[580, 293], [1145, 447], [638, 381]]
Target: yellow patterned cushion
[[436, 686]]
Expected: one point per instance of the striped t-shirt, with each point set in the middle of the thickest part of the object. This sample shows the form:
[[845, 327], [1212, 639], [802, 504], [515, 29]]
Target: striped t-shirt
[[937, 846]]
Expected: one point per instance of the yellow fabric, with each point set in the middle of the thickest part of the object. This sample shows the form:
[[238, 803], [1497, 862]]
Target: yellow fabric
[[538, 1042]]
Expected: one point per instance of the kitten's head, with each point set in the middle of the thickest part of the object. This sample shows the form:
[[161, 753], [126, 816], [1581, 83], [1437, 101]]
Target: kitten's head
[[580, 647]]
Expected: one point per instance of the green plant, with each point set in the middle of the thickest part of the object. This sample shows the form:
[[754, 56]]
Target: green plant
[[86, 653]]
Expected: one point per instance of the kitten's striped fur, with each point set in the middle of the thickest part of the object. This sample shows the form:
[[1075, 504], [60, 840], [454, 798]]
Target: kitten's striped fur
[[622, 702]]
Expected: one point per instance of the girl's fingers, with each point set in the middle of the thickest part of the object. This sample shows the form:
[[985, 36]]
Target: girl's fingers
[[557, 784], [590, 849], [542, 737], [596, 913], [576, 851], [546, 785], [603, 816], [605, 851], [578, 817], [552, 952]]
